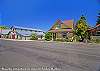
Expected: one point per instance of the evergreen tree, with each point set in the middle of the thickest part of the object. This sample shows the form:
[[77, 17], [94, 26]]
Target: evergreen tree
[[3, 28], [81, 28], [98, 19]]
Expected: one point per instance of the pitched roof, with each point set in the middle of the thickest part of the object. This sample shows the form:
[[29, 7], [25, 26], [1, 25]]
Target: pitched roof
[[24, 28], [98, 25], [5, 31], [68, 23], [28, 33], [24, 33], [57, 22]]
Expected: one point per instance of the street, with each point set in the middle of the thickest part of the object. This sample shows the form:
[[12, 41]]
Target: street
[[48, 56]]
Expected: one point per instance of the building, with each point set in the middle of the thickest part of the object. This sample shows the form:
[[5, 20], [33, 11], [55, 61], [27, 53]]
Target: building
[[4, 33], [95, 31], [62, 30], [16, 32]]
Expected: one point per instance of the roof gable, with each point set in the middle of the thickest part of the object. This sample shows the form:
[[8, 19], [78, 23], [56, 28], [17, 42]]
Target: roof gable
[[67, 24], [57, 24]]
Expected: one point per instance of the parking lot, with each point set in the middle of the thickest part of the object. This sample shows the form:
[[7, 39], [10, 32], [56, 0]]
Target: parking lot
[[48, 56]]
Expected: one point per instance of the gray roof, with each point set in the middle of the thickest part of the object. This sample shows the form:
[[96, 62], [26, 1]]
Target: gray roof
[[24, 31], [28, 33], [6, 31], [17, 27], [39, 33]]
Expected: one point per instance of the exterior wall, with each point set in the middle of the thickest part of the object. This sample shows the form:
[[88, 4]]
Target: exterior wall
[[95, 37], [59, 35], [4, 36], [23, 38], [98, 33], [40, 37], [28, 38], [62, 35], [24, 33], [62, 30], [18, 37], [70, 35], [12, 35]]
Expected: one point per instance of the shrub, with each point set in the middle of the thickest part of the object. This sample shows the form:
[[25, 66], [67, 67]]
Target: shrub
[[65, 39], [48, 36], [97, 40], [76, 38], [34, 37]]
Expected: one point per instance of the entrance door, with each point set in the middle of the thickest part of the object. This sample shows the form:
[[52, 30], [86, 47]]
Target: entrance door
[[13, 36], [54, 36]]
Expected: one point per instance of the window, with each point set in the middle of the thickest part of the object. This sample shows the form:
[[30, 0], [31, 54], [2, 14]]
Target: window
[[98, 28], [64, 34], [98, 33], [58, 26]]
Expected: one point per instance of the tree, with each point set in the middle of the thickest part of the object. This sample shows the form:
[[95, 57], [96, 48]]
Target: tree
[[34, 36], [98, 19], [3, 28], [48, 36], [81, 29]]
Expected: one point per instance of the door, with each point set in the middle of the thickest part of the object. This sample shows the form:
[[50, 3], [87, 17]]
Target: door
[[13, 36]]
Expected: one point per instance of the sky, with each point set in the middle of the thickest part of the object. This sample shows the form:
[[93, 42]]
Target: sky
[[42, 14]]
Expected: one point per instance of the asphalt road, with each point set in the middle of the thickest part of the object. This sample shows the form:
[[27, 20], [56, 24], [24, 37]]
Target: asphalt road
[[48, 56]]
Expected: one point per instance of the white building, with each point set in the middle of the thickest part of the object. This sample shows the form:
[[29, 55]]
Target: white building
[[16, 32]]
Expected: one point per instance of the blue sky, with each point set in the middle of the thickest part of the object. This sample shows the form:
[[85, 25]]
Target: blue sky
[[43, 13]]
